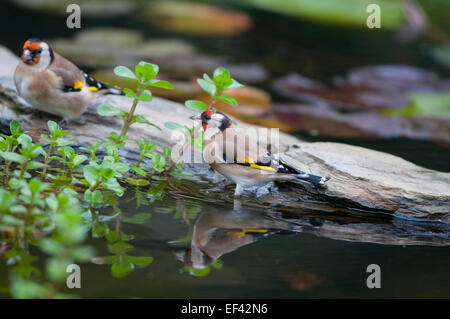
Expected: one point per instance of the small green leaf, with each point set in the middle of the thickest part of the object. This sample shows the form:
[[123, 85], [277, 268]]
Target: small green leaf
[[199, 272], [138, 170], [146, 96], [140, 218], [15, 128], [146, 71], [141, 261], [52, 127], [129, 92], [121, 167], [222, 77], [124, 72], [35, 165], [227, 99], [95, 197], [160, 83], [174, 126], [234, 84], [196, 105], [107, 173], [137, 182], [142, 120], [34, 185], [122, 268], [46, 138], [112, 236], [79, 159], [207, 86], [91, 174], [182, 174], [119, 248], [13, 157], [158, 161], [107, 110]]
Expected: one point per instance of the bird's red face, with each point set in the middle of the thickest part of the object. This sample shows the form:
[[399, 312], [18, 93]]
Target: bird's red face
[[31, 52], [206, 116]]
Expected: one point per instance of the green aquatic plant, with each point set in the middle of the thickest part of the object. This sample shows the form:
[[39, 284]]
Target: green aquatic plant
[[122, 263], [29, 209], [55, 139], [101, 176], [51, 198], [215, 86], [144, 76], [8, 143]]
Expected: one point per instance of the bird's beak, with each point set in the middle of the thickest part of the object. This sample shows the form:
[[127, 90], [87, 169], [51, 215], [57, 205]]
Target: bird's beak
[[198, 118], [27, 57]]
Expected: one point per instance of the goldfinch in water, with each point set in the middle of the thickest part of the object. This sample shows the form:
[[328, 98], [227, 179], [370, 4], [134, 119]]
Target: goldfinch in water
[[243, 162], [53, 84]]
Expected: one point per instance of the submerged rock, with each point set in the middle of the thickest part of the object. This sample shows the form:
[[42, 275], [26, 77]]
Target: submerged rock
[[362, 180]]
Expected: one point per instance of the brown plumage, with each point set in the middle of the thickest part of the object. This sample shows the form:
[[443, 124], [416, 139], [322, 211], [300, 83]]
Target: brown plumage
[[53, 84], [240, 158], [216, 233]]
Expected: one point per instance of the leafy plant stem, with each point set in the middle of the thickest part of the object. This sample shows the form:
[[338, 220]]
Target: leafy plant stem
[[96, 185], [46, 160], [129, 118], [7, 164], [23, 169]]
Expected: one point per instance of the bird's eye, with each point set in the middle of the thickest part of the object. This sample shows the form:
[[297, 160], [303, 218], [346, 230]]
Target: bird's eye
[[36, 52]]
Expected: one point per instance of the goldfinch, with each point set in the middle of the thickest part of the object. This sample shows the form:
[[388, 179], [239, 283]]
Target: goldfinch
[[216, 233], [244, 162], [53, 84]]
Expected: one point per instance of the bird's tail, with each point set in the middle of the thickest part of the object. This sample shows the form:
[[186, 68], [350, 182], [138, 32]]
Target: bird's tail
[[316, 180], [95, 85], [114, 91]]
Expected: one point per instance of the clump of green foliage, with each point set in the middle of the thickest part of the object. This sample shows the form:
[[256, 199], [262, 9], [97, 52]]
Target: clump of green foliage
[[54, 195], [220, 82]]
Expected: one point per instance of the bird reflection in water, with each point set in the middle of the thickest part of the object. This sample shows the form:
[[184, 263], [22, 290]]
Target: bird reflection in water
[[216, 233]]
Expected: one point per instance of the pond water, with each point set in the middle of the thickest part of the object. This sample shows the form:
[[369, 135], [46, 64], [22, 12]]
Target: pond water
[[204, 247], [214, 250]]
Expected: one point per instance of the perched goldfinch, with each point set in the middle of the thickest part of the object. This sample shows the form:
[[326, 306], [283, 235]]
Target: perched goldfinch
[[244, 162], [53, 84]]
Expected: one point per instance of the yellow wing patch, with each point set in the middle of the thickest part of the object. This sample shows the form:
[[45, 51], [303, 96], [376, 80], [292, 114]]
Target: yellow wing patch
[[93, 88], [240, 234], [250, 161], [255, 230], [266, 168], [78, 85]]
